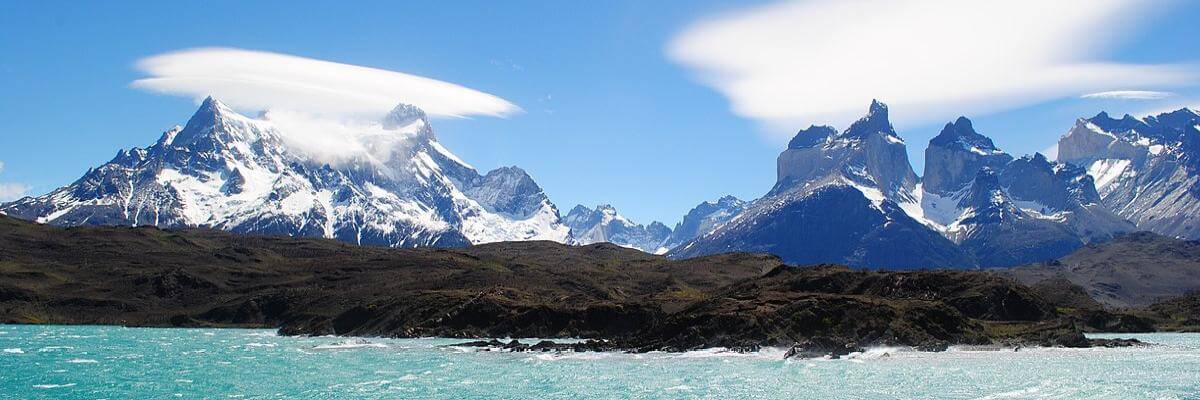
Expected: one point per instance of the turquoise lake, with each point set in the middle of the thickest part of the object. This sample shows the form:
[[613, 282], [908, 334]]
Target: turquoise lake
[[104, 362]]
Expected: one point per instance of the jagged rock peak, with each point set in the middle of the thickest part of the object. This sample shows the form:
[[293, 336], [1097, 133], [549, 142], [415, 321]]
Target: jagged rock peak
[[1039, 159], [210, 109], [1184, 114], [984, 189], [729, 199], [1109, 124], [512, 171], [403, 115], [814, 136], [962, 132], [211, 104], [878, 108], [956, 154], [168, 137], [876, 121]]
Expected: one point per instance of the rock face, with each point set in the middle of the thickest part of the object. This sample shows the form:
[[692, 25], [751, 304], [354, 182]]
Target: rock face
[[1063, 193], [604, 224], [227, 171], [868, 152], [837, 199], [1145, 170], [998, 233], [956, 155]]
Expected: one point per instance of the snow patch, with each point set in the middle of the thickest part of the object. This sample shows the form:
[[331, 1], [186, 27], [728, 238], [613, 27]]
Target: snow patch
[[1107, 171]]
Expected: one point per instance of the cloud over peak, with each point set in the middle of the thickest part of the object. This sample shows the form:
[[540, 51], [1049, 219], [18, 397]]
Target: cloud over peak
[[796, 63], [261, 80]]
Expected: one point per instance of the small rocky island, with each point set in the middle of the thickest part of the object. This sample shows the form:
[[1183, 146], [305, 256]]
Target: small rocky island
[[618, 298]]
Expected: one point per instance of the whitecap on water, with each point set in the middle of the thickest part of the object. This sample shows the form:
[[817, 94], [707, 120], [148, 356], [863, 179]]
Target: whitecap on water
[[54, 348], [82, 361], [766, 353], [262, 334], [349, 344], [53, 385], [1048, 389], [14, 350], [875, 353], [679, 388]]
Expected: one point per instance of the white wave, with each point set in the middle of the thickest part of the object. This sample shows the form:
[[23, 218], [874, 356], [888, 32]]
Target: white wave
[[875, 353], [54, 348], [1048, 389], [82, 361], [53, 385], [263, 334], [583, 355], [349, 344], [679, 388], [14, 350]]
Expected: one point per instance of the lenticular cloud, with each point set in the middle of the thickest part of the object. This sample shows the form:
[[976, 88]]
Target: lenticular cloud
[[262, 80]]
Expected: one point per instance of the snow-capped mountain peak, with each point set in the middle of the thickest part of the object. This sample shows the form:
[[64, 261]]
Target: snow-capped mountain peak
[[1146, 170]]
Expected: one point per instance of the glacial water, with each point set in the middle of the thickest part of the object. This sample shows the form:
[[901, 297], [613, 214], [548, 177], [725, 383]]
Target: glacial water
[[90, 362]]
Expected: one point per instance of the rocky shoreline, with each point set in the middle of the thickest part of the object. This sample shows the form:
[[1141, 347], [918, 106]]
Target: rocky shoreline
[[821, 347]]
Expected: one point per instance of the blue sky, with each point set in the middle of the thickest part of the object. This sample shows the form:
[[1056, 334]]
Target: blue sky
[[639, 104]]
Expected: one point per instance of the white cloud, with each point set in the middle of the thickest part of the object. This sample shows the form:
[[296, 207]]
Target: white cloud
[[257, 80], [11, 191], [795, 63], [338, 141], [1129, 95]]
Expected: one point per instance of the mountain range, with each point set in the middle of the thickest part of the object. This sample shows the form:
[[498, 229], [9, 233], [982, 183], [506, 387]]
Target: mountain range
[[848, 196], [852, 196]]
